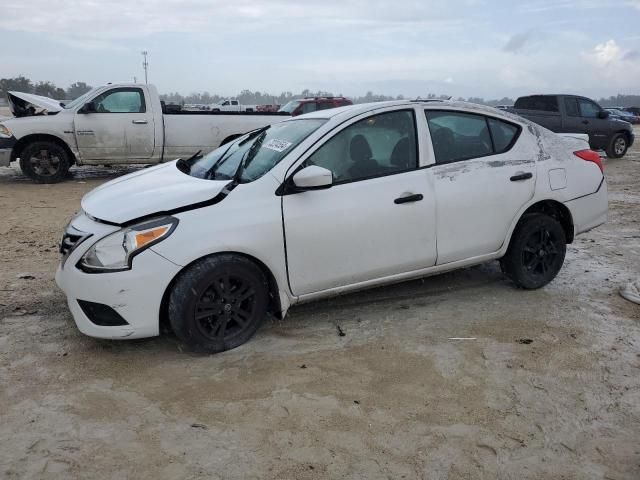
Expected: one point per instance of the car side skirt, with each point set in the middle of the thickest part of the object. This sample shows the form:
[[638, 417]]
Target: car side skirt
[[398, 278]]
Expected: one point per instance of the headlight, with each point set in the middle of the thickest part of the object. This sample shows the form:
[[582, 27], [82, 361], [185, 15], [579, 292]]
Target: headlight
[[115, 252], [5, 132]]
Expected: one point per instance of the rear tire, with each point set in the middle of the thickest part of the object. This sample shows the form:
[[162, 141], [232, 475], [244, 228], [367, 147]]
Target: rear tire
[[45, 162], [536, 252], [218, 303], [618, 146]]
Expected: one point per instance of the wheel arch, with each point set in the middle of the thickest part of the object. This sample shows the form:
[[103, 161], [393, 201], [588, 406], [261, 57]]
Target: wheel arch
[[552, 208], [275, 302], [626, 134], [40, 137]]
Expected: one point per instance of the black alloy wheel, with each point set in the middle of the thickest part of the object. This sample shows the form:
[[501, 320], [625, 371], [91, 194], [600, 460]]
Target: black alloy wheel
[[226, 307], [536, 251], [218, 302]]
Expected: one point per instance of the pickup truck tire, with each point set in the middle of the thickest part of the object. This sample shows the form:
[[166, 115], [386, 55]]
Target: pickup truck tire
[[618, 146], [45, 162], [218, 303], [536, 251]]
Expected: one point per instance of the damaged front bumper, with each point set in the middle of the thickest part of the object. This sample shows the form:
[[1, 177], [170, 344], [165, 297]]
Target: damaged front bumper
[[114, 305]]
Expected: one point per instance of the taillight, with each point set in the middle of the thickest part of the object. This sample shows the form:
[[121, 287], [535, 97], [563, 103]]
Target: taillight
[[590, 156]]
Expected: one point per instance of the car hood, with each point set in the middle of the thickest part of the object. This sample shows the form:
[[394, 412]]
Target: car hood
[[19, 101], [160, 189]]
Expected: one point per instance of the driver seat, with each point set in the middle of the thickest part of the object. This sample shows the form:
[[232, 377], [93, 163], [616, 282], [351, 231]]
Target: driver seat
[[360, 153]]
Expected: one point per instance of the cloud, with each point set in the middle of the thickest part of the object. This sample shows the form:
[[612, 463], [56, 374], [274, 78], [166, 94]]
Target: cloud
[[603, 54], [126, 18], [634, 3], [517, 42], [631, 56]]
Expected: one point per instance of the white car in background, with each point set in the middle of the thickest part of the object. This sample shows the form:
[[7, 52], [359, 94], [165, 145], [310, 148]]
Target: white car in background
[[321, 204]]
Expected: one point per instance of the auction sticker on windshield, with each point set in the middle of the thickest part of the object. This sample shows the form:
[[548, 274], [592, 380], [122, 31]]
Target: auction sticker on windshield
[[277, 145]]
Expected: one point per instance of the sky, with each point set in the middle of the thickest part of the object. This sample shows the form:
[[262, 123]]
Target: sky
[[480, 48]]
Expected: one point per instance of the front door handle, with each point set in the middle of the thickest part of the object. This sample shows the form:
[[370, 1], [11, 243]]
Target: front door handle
[[409, 198], [586, 122], [139, 122], [521, 176]]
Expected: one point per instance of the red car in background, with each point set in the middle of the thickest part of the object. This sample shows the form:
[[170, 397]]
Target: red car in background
[[311, 104]]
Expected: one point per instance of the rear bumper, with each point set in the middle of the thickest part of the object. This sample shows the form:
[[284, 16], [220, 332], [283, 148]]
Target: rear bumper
[[589, 211]]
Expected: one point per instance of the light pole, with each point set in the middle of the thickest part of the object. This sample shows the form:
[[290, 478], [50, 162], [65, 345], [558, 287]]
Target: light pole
[[145, 65]]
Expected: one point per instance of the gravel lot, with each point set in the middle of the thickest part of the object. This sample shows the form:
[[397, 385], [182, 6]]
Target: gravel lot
[[548, 386]]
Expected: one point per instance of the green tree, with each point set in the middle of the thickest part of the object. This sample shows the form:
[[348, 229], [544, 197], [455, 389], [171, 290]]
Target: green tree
[[77, 89], [48, 89], [18, 84]]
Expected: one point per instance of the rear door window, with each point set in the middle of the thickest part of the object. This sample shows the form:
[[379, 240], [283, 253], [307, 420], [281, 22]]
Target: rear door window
[[457, 136], [503, 134], [571, 106]]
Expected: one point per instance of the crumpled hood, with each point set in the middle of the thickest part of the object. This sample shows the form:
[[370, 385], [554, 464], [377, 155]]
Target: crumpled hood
[[19, 101], [153, 190]]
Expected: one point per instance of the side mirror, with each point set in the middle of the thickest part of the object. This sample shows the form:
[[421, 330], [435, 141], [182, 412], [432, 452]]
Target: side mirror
[[88, 107], [603, 114], [313, 178]]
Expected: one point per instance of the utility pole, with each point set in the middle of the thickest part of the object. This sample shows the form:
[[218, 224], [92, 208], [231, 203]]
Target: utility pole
[[145, 65]]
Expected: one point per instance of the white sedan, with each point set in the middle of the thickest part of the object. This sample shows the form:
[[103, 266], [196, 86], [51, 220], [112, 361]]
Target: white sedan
[[325, 203]]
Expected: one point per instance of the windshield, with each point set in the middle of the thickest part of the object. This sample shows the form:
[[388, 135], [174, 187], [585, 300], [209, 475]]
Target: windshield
[[260, 151], [290, 107], [80, 100]]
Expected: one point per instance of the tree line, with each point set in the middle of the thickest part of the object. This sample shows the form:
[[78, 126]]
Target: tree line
[[46, 89], [247, 97]]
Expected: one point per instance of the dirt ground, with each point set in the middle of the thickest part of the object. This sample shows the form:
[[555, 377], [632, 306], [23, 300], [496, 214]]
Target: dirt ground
[[547, 385]]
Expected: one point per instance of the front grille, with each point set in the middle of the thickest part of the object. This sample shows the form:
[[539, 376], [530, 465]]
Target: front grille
[[69, 242]]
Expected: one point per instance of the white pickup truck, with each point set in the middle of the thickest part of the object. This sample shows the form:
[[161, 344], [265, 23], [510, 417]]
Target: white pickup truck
[[112, 124], [231, 105]]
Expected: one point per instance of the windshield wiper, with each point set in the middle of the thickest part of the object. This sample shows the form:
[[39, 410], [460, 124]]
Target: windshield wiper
[[249, 155], [185, 165], [224, 155]]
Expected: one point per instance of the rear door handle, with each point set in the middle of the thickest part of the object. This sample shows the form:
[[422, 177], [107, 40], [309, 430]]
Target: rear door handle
[[586, 122], [521, 176], [409, 198], [139, 122]]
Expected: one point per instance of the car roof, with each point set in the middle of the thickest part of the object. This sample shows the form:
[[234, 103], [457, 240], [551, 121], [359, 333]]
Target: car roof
[[349, 111]]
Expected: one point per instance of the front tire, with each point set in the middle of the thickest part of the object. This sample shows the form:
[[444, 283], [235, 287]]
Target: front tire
[[45, 162], [536, 252], [218, 303], [618, 146]]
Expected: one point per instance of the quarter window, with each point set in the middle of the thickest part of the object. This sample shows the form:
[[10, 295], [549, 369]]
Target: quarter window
[[121, 100], [461, 136], [379, 145]]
